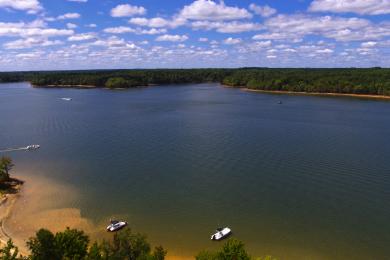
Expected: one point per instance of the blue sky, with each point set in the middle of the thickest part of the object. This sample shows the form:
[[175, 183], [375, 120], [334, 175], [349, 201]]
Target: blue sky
[[98, 34]]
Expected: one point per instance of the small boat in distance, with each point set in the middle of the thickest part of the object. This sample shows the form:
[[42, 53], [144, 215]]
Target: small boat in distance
[[116, 225], [33, 147], [280, 102], [66, 98], [221, 233]]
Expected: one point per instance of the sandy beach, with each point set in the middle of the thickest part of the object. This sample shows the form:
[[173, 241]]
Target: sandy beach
[[38, 205], [364, 96]]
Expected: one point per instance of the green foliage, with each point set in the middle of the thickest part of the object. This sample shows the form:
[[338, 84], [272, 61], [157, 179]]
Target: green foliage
[[72, 244], [374, 81], [159, 253], [119, 82], [94, 252], [5, 167], [233, 249], [43, 246], [206, 255], [9, 252], [69, 244]]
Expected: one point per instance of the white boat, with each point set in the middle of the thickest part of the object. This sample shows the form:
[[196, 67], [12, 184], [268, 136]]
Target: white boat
[[221, 233], [66, 98], [33, 147], [116, 225]]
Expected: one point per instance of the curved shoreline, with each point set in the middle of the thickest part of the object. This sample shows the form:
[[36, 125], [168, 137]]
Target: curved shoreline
[[362, 96], [7, 203]]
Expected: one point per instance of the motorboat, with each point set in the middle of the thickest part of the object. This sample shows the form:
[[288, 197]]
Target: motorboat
[[221, 233], [66, 99], [116, 225], [33, 147]]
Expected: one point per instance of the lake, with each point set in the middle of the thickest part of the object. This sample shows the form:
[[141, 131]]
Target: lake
[[305, 179]]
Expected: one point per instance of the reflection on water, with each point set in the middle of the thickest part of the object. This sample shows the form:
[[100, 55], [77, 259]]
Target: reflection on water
[[307, 179]]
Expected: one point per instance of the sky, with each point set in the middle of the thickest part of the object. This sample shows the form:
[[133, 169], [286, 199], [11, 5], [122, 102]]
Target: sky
[[125, 34]]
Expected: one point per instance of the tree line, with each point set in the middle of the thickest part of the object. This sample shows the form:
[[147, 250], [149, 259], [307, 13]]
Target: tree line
[[373, 81]]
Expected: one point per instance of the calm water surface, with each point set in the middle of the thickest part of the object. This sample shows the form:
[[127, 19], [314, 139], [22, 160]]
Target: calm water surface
[[310, 177]]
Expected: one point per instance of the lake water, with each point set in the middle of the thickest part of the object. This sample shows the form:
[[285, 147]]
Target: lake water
[[305, 179]]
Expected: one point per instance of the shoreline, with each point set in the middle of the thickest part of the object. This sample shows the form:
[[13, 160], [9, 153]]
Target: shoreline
[[281, 92], [7, 203]]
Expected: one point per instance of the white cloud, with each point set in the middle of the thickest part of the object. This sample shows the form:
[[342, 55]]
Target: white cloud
[[370, 7], [296, 27], [369, 44], [31, 6], [232, 41], [226, 27], [127, 10], [157, 22], [30, 42], [69, 16], [263, 11], [172, 38], [82, 37], [71, 25], [202, 39], [35, 28], [124, 29], [324, 51], [91, 25], [210, 10]]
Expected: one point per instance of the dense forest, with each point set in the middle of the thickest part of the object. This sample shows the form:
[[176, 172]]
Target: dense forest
[[373, 81]]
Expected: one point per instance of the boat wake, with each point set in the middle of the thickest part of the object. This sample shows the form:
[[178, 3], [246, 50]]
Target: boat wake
[[26, 148]]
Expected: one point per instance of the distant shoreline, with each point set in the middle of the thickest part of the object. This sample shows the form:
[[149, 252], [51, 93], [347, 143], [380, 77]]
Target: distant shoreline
[[329, 94], [281, 92]]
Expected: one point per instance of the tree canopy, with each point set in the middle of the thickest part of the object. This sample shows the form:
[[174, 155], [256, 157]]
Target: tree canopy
[[373, 81], [5, 167]]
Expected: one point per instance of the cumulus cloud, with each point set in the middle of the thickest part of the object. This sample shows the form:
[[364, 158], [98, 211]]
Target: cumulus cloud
[[296, 27], [363, 7], [263, 11], [157, 22], [82, 37], [126, 10], [226, 27], [125, 29], [69, 16], [30, 43], [210, 10], [232, 41], [172, 38], [203, 39], [31, 6], [35, 28], [71, 25]]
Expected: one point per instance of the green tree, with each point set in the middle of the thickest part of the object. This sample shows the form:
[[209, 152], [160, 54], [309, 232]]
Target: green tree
[[9, 252], [72, 244], [233, 249], [94, 252], [128, 245], [118, 82], [43, 246], [5, 167], [159, 253]]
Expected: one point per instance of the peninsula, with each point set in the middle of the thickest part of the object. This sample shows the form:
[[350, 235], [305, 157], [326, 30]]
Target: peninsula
[[367, 82]]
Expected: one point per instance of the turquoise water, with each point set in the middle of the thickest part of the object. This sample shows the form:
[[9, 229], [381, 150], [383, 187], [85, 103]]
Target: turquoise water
[[309, 177]]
